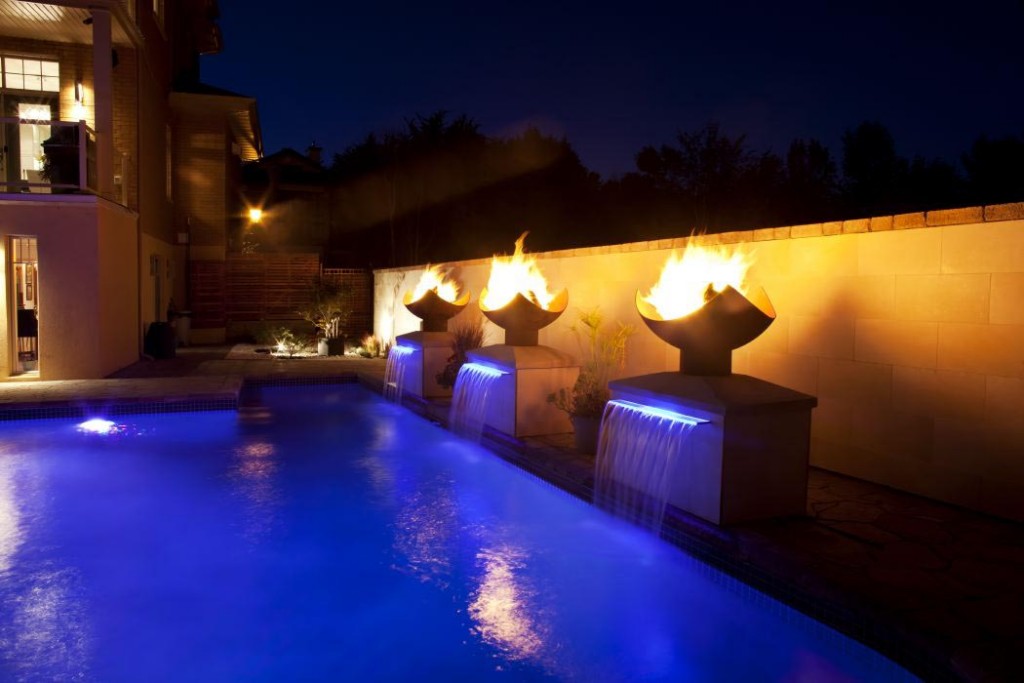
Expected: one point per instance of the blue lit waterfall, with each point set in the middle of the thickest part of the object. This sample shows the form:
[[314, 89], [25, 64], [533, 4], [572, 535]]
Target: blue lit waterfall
[[470, 402], [399, 360], [637, 458]]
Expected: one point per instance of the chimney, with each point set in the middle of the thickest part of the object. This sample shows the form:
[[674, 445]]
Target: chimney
[[313, 152]]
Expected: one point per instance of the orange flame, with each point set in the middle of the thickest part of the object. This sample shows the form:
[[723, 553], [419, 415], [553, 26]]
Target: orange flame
[[689, 281], [434, 278], [516, 274]]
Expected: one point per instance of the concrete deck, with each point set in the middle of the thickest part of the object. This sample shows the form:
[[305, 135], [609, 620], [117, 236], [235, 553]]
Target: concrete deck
[[937, 588]]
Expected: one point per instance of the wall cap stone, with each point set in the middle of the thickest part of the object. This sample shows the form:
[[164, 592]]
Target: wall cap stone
[[880, 223], [901, 221], [1004, 212], [971, 214], [856, 225]]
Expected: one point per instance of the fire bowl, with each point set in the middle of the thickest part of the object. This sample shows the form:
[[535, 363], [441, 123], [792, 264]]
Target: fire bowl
[[707, 337], [522, 319], [433, 310]]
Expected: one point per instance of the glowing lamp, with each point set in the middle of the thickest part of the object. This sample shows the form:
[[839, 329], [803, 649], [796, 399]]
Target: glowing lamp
[[255, 215]]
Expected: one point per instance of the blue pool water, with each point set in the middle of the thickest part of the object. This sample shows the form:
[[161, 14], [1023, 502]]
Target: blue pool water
[[336, 537]]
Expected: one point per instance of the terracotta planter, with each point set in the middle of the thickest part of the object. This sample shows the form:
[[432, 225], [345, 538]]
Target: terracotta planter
[[585, 432]]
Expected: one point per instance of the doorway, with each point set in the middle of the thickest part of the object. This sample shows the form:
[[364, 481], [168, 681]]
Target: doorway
[[23, 150], [24, 270]]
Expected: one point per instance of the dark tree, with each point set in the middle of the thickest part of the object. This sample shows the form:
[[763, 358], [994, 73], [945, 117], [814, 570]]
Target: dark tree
[[932, 184], [872, 171], [705, 169], [811, 188], [995, 170]]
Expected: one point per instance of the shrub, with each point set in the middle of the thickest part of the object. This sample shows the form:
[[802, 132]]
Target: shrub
[[467, 334]]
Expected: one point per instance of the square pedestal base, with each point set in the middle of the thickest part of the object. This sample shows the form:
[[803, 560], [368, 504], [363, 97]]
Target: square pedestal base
[[749, 460], [428, 355], [518, 401]]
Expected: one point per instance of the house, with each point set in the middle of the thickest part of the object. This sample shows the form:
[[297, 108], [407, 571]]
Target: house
[[294, 193], [116, 179]]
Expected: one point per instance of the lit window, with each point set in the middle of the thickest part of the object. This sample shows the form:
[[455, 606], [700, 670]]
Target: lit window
[[31, 74]]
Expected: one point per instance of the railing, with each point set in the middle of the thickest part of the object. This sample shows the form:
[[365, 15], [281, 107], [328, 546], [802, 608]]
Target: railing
[[55, 157]]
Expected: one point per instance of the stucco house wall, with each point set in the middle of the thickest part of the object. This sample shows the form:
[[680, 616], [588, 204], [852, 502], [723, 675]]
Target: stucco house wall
[[88, 291]]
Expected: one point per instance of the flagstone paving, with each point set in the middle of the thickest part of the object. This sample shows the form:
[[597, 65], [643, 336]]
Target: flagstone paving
[[938, 588]]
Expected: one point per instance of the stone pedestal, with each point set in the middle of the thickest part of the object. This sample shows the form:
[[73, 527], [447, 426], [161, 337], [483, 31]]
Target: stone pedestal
[[749, 461], [429, 355], [518, 401]]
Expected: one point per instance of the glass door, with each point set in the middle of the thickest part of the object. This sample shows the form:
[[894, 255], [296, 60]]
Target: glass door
[[24, 153], [24, 269]]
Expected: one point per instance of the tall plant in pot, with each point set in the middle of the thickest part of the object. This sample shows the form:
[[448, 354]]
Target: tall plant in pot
[[328, 309], [602, 351]]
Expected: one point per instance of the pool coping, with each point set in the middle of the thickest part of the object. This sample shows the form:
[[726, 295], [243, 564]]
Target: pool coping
[[723, 548]]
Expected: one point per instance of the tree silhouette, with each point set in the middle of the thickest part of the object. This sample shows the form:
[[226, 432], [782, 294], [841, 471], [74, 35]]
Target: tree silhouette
[[436, 189], [872, 171], [811, 184], [995, 170], [705, 169]]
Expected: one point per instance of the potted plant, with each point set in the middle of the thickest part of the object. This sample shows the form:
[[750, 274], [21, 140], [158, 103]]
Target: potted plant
[[601, 352], [328, 310]]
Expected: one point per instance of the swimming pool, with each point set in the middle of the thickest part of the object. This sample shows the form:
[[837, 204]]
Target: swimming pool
[[334, 536]]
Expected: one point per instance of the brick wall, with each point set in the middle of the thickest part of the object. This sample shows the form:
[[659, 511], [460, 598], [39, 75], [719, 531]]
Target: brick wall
[[909, 329], [268, 287], [200, 150]]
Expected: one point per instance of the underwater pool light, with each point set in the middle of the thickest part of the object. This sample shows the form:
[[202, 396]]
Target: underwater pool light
[[98, 425]]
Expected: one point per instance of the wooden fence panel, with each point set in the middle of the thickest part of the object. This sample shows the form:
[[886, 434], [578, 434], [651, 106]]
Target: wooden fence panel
[[361, 282], [271, 288]]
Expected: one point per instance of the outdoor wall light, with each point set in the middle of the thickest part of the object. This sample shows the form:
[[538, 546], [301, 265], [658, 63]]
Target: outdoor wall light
[[255, 215], [78, 111]]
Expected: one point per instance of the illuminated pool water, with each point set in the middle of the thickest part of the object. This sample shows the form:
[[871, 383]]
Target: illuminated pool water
[[336, 537]]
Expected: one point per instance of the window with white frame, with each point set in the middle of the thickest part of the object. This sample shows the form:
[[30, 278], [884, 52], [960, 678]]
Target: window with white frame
[[40, 75]]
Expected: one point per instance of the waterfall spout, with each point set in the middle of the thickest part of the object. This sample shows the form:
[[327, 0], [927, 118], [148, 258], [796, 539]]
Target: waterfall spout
[[469, 399], [637, 455], [399, 360]]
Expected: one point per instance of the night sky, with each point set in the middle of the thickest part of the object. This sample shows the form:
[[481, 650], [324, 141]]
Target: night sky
[[615, 79]]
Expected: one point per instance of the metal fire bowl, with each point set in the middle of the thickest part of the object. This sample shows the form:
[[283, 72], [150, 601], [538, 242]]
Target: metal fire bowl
[[708, 335], [521, 318], [433, 310]]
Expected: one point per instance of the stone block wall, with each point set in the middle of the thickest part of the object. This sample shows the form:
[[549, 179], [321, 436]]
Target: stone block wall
[[909, 329]]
